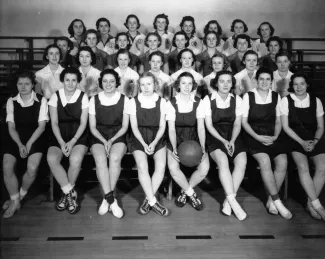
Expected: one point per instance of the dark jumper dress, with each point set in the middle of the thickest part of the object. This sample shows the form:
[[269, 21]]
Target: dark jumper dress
[[262, 119], [223, 121], [148, 124], [303, 122], [69, 122], [26, 122], [109, 120], [185, 124]]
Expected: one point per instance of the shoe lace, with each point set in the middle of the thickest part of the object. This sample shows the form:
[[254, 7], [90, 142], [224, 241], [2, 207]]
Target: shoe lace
[[63, 199], [158, 207], [195, 200], [70, 199], [182, 197]]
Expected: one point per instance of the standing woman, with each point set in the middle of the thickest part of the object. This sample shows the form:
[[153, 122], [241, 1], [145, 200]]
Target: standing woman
[[69, 115], [188, 26], [262, 125], [282, 75], [223, 117], [132, 23], [302, 116], [160, 24], [77, 30], [108, 121], [213, 25], [26, 118], [274, 46], [185, 116], [106, 41], [265, 31], [180, 41], [148, 123]]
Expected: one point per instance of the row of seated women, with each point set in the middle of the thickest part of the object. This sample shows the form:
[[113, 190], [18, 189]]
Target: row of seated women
[[225, 125]]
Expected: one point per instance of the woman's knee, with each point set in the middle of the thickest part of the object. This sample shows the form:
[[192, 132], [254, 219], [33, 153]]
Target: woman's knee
[[75, 160], [8, 167], [115, 159]]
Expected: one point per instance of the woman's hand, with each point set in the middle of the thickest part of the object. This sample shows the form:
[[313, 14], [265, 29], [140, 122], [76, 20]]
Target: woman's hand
[[23, 151], [308, 145], [231, 148], [175, 155], [152, 147], [147, 150], [107, 146], [265, 140], [28, 146], [68, 146]]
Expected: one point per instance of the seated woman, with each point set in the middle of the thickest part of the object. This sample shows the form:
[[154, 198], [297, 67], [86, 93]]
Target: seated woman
[[132, 23], [262, 125], [274, 45], [223, 117], [302, 117], [69, 115], [105, 42], [245, 79], [203, 60], [26, 117], [242, 43], [91, 41], [180, 41], [188, 26], [77, 30], [153, 42], [160, 24], [108, 121], [156, 61], [185, 116], [148, 123], [213, 25], [66, 46], [48, 78], [265, 31], [282, 75], [129, 78], [89, 74], [123, 42]]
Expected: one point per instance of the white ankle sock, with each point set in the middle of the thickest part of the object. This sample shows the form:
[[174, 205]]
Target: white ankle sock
[[316, 203], [67, 188], [189, 191], [153, 201], [22, 193], [14, 197]]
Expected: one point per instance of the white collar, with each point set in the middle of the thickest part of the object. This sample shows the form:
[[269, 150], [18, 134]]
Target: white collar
[[215, 95], [33, 97], [47, 69], [153, 98], [115, 97], [178, 98], [73, 99], [296, 99]]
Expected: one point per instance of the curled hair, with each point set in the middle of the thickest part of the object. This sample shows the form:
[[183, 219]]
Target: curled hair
[[296, 75], [102, 19], [186, 38], [63, 38], [108, 72], [263, 70], [188, 19], [152, 34], [127, 37], [178, 81], [71, 70], [206, 27], [163, 16], [282, 53], [244, 37], [70, 28], [25, 74], [155, 81], [92, 54], [274, 38], [248, 52], [214, 81], [157, 53], [179, 56], [132, 16], [265, 23], [92, 31], [123, 51], [212, 32], [232, 27], [46, 51], [225, 61]]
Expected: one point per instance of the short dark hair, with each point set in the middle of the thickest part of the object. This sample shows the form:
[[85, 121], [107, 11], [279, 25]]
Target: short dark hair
[[70, 28], [25, 74], [232, 27], [178, 80], [179, 56], [92, 31], [265, 23], [190, 19], [123, 51], [46, 51], [102, 19], [296, 75], [248, 52], [158, 53], [163, 16], [106, 72], [132, 16], [92, 54], [206, 27], [274, 38], [122, 34], [263, 70], [282, 53], [211, 32], [71, 70], [186, 38], [244, 37], [225, 61], [214, 81], [69, 42], [152, 34]]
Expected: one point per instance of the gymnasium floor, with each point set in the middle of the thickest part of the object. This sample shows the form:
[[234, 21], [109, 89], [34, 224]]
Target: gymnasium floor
[[39, 231]]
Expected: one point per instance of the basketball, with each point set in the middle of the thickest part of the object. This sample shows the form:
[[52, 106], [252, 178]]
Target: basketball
[[190, 153]]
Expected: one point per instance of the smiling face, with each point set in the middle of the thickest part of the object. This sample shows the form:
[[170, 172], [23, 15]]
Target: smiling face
[[103, 28], [123, 60], [217, 64], [132, 24], [78, 28], [24, 85], [188, 27], [109, 83], [300, 86], [186, 59], [283, 63], [185, 85], [155, 63], [224, 84], [265, 31], [70, 82], [91, 40], [153, 42], [180, 41], [147, 85], [122, 42], [264, 82], [239, 28], [250, 62], [211, 40], [161, 24], [53, 55], [274, 47]]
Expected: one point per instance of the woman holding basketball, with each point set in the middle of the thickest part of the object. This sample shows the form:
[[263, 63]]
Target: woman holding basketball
[[185, 116], [223, 117]]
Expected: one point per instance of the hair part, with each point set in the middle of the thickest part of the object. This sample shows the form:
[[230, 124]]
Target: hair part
[[214, 81], [102, 19], [71, 70], [264, 70], [270, 26], [132, 16], [46, 51], [109, 72], [161, 16], [186, 38], [152, 34], [154, 78], [179, 56], [244, 37], [206, 27], [296, 75], [92, 54], [188, 19], [232, 27], [178, 81], [70, 28]]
